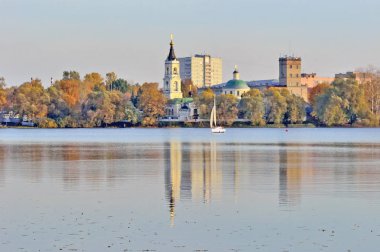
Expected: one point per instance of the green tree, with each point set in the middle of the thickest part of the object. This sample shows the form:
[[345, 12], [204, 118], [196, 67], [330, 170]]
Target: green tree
[[353, 98], [252, 107], [131, 113], [121, 85], [295, 110], [71, 75], [330, 109], [276, 106]]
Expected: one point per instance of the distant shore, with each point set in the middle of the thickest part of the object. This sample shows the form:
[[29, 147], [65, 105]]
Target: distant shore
[[270, 126]]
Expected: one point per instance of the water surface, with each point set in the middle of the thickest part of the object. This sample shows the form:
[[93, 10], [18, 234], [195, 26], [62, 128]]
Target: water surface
[[188, 190]]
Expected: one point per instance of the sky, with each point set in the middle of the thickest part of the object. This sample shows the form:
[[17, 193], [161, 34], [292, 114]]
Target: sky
[[43, 38]]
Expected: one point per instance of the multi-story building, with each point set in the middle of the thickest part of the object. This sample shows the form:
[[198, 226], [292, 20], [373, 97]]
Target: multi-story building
[[290, 76], [202, 70]]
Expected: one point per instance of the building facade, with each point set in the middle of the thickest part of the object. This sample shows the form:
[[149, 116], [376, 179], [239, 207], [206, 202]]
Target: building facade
[[290, 76], [202, 70], [312, 80], [172, 79]]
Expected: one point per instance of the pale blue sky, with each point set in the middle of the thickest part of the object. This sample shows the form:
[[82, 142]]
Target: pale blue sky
[[42, 38]]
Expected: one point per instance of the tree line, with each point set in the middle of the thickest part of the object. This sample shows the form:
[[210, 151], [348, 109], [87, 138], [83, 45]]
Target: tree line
[[91, 101], [94, 101]]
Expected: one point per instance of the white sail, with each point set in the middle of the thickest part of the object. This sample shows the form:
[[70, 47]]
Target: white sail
[[212, 117], [214, 113], [213, 125]]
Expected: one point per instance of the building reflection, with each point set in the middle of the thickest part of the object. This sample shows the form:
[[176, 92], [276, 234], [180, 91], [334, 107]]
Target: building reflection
[[192, 172], [295, 166]]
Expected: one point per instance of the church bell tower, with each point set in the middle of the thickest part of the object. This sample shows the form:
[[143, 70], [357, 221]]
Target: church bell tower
[[172, 79]]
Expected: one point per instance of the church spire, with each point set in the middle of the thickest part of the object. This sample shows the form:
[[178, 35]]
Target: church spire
[[171, 55]]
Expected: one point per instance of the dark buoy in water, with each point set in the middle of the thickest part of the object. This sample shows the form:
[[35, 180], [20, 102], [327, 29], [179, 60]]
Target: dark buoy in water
[[286, 130]]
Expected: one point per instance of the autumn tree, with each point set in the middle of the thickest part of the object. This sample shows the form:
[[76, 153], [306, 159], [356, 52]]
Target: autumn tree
[[102, 107], [205, 102], [90, 81], [317, 90], [252, 107], [58, 107], [188, 88], [3, 93], [31, 99], [371, 86], [152, 103], [69, 91], [226, 109], [110, 78]]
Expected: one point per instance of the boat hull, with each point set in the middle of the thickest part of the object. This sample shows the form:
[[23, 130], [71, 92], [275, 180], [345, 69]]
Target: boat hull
[[218, 130]]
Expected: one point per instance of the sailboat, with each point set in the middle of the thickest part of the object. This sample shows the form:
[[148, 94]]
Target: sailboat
[[214, 128]]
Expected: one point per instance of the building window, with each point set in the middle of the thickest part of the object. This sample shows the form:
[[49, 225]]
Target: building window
[[238, 93], [176, 86], [291, 75], [175, 70], [291, 66], [297, 75], [167, 70], [225, 92], [167, 84], [230, 92]]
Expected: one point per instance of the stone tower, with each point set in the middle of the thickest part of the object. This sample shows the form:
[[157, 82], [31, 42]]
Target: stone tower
[[172, 79], [290, 71], [290, 76]]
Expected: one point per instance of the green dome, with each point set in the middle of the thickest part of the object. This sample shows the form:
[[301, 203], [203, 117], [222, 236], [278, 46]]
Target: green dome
[[236, 84]]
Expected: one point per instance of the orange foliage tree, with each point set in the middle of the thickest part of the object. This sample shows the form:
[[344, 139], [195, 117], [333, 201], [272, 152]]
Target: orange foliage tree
[[152, 103]]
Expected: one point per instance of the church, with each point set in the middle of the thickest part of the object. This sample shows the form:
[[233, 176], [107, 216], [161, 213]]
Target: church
[[178, 108]]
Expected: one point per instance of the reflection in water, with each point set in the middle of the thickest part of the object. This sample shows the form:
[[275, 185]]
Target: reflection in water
[[232, 193], [192, 172], [197, 171], [295, 166]]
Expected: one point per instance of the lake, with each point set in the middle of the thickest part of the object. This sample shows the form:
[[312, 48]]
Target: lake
[[188, 190]]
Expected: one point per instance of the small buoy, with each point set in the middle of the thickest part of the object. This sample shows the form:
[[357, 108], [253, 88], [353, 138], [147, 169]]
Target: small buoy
[[286, 130]]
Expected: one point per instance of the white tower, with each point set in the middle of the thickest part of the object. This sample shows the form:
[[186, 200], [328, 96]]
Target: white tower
[[172, 79]]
